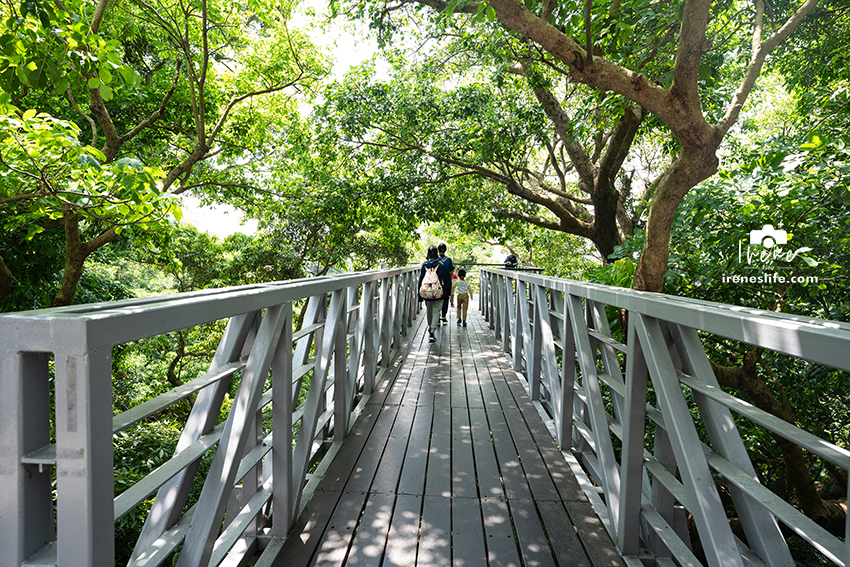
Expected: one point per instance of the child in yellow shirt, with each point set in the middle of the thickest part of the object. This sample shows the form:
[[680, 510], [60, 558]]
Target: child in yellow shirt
[[464, 294]]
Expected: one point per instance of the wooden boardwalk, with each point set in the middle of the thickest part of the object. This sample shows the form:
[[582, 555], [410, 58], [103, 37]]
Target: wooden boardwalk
[[449, 464]]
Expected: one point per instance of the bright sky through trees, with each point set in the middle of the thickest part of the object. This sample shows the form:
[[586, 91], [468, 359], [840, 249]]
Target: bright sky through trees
[[347, 47]]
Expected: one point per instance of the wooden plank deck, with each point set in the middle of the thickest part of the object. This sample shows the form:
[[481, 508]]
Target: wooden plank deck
[[449, 465]]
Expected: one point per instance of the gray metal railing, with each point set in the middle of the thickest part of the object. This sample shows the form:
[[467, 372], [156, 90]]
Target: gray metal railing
[[592, 390], [56, 368]]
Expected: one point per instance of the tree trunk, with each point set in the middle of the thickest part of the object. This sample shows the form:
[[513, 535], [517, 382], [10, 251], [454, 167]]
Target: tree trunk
[[6, 279], [76, 253], [75, 257], [682, 175]]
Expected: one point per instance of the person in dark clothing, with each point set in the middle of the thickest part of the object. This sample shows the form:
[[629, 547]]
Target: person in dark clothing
[[447, 262], [511, 261], [433, 306]]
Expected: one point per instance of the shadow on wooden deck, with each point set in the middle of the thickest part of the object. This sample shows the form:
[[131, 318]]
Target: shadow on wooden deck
[[449, 464]]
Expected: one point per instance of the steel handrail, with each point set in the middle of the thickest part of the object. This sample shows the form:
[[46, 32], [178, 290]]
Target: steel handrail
[[591, 387], [353, 328]]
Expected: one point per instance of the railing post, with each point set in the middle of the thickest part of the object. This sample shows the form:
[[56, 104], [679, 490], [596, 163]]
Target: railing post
[[85, 523], [409, 301], [366, 328], [631, 460], [283, 496], [533, 356], [520, 345], [483, 294], [498, 305], [27, 523], [343, 390], [510, 299], [497, 324], [385, 318], [397, 302], [353, 328]]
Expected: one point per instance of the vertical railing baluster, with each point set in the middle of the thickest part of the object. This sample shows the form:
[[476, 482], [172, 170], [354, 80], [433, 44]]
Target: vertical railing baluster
[[366, 339], [343, 390], [84, 478], [522, 348], [24, 428], [283, 496], [631, 459]]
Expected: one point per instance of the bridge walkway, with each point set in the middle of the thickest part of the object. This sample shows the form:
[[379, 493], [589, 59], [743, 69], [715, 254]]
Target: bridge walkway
[[449, 464]]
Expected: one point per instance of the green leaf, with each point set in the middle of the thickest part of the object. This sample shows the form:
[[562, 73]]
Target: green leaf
[[44, 18], [130, 162], [28, 7], [93, 83], [127, 75], [86, 159]]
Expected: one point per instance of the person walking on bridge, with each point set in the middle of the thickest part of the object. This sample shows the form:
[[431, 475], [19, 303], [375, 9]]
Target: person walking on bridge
[[433, 293], [464, 294], [447, 262]]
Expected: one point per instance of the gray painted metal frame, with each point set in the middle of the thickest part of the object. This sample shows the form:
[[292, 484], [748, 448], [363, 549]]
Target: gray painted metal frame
[[643, 503], [352, 328]]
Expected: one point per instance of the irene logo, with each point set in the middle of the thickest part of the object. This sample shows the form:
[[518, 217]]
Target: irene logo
[[764, 252], [765, 248], [768, 236]]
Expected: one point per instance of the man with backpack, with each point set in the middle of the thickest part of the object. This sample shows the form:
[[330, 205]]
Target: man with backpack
[[435, 284], [447, 262]]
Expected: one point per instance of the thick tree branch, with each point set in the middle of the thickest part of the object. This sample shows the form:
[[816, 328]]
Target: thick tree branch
[[571, 226]]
